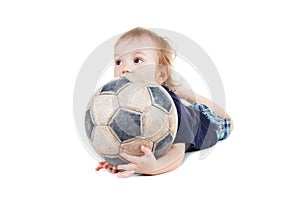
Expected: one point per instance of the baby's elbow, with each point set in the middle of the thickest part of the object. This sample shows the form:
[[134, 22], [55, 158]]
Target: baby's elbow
[[179, 148], [180, 160], [180, 151]]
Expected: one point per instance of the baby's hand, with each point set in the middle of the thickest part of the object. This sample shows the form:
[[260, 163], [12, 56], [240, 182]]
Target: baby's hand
[[107, 165], [138, 164]]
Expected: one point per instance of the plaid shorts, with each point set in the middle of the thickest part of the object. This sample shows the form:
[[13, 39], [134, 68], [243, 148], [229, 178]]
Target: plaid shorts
[[222, 125]]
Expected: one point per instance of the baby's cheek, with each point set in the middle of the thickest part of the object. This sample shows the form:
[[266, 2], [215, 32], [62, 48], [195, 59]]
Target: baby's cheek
[[146, 72], [117, 73]]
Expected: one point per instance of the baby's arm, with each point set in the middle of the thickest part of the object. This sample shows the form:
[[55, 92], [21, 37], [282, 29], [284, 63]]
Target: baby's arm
[[148, 164]]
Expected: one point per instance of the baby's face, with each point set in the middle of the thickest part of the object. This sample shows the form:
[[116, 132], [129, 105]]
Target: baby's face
[[130, 55]]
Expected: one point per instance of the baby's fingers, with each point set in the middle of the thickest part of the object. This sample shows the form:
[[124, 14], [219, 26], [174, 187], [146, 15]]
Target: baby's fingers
[[101, 165], [125, 174], [127, 167], [114, 169]]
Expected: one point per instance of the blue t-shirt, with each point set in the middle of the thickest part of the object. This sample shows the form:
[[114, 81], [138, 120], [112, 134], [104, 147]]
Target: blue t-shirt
[[193, 126]]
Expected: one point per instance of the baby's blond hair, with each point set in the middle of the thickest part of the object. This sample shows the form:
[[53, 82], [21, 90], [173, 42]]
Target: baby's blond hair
[[165, 51]]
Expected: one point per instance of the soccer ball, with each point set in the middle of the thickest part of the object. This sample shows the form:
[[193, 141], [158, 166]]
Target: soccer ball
[[128, 112]]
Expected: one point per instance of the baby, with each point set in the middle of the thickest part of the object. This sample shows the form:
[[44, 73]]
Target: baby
[[201, 125]]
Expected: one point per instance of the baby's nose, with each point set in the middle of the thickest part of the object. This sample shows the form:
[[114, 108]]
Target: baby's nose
[[126, 70]]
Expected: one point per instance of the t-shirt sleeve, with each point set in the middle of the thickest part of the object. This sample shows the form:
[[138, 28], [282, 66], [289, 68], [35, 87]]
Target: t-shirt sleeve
[[188, 125], [188, 120], [193, 127], [195, 130]]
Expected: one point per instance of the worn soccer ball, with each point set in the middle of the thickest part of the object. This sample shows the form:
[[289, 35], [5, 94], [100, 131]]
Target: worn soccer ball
[[126, 113]]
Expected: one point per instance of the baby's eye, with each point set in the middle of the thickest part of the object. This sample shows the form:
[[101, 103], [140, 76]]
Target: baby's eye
[[118, 62], [138, 60]]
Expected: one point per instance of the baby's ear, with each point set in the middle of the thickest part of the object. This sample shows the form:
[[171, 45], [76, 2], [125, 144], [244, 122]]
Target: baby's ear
[[162, 74]]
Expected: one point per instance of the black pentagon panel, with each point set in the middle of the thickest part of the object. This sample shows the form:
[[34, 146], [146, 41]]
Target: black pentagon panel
[[114, 86], [162, 146], [114, 160], [126, 124], [160, 99], [89, 124]]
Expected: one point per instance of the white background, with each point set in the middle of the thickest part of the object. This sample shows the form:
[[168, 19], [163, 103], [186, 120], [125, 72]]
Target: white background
[[255, 46]]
